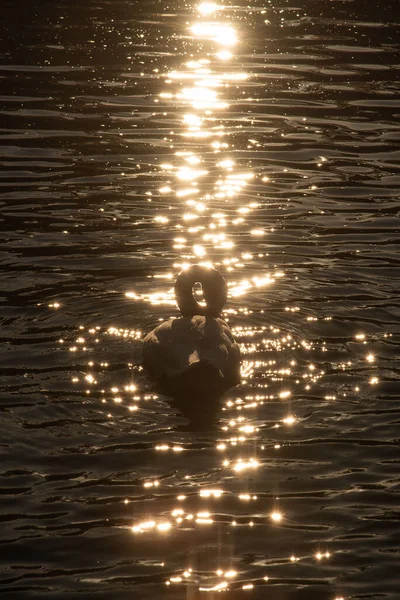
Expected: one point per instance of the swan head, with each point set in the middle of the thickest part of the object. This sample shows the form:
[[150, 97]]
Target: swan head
[[215, 291]]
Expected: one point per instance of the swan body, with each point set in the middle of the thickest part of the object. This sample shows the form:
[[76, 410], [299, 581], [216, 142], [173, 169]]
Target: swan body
[[195, 353]]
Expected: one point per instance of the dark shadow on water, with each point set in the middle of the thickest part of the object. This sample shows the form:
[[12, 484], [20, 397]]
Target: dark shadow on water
[[201, 411], [197, 394]]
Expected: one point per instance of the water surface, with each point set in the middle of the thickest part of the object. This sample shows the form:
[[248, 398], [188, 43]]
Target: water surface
[[140, 137]]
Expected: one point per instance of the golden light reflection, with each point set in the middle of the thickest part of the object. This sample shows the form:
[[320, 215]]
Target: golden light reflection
[[230, 574], [204, 78], [211, 493], [189, 174], [243, 465], [224, 35], [126, 333], [207, 8], [193, 191], [224, 55], [204, 520], [201, 97], [226, 164], [244, 286], [179, 517], [209, 198], [276, 516], [289, 420], [149, 484], [192, 121], [247, 497], [165, 447], [144, 526], [321, 555], [216, 588], [225, 578]]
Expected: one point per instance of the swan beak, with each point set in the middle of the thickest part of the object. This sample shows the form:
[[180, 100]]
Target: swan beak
[[194, 358]]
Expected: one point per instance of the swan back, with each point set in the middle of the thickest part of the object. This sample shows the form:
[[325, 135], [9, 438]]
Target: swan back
[[196, 351]]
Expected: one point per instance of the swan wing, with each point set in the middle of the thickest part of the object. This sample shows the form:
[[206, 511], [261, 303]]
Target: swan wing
[[175, 345]]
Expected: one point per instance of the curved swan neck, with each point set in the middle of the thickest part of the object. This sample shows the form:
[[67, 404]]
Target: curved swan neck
[[215, 291]]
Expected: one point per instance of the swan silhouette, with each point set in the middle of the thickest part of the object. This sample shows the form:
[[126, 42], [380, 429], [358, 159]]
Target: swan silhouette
[[196, 353]]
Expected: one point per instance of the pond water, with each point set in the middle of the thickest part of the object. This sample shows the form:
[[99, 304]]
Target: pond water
[[140, 137]]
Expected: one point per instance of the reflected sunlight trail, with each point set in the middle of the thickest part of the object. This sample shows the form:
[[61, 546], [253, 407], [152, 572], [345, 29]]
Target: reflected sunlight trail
[[208, 184], [205, 181], [204, 178]]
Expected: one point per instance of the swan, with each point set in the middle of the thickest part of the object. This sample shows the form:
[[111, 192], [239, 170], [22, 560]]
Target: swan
[[195, 353]]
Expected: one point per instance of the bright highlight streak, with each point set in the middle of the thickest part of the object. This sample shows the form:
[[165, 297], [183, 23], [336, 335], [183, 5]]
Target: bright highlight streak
[[224, 55], [276, 516], [209, 493], [221, 34], [215, 588], [207, 8], [289, 420]]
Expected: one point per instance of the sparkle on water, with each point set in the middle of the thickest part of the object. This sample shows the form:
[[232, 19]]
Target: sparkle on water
[[219, 224]]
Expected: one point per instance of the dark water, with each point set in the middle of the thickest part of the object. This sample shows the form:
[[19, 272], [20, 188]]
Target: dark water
[[264, 139]]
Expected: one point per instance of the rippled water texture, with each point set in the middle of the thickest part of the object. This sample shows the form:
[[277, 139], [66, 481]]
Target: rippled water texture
[[139, 137]]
